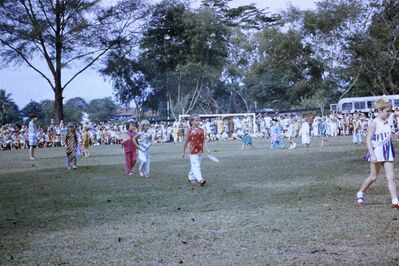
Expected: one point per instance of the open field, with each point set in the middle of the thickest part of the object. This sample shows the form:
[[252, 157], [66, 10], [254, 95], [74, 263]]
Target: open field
[[259, 206]]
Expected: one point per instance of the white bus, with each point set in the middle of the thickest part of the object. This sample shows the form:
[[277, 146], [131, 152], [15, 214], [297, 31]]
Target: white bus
[[361, 104]]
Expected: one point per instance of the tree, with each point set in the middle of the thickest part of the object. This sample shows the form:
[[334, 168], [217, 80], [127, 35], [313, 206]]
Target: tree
[[48, 111], [65, 33], [74, 109], [33, 108], [8, 109], [101, 110], [375, 52], [127, 79]]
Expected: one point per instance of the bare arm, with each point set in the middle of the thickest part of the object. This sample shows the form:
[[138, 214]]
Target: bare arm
[[134, 139], [185, 146], [370, 133]]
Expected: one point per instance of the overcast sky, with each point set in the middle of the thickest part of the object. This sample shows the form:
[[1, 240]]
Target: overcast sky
[[25, 84]]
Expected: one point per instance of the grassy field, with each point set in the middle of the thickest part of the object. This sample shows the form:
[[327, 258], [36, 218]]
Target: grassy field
[[259, 206]]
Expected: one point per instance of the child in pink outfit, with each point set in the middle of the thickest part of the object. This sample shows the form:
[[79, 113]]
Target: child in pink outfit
[[130, 150]]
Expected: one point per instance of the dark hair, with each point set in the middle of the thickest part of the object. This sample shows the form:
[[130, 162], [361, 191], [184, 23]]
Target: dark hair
[[131, 123], [32, 115]]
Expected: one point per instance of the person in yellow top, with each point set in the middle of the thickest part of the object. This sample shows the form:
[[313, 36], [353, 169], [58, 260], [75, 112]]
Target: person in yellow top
[[86, 142]]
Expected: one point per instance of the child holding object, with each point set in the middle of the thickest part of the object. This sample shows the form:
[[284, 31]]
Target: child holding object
[[380, 153], [196, 136]]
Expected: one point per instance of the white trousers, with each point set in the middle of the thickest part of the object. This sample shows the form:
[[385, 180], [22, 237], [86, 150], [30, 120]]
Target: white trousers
[[144, 157], [357, 137], [195, 171]]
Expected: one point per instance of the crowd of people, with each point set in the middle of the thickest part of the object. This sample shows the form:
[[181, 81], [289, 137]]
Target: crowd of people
[[137, 138], [290, 126]]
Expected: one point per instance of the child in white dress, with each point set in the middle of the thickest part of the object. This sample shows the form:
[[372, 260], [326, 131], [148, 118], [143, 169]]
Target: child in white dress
[[305, 133], [380, 153], [143, 141]]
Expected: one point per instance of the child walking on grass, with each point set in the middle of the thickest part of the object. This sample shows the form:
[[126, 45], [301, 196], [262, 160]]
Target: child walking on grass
[[130, 149], [380, 153], [246, 139], [196, 136], [71, 143], [143, 141], [32, 135], [86, 142]]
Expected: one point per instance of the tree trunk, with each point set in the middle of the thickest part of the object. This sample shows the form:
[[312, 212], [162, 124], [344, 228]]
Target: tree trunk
[[58, 108]]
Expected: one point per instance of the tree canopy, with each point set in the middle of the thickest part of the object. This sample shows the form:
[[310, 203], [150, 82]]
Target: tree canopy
[[171, 57]]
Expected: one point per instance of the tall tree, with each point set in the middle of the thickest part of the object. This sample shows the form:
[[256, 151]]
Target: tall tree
[[65, 33], [375, 52], [127, 78], [8, 109]]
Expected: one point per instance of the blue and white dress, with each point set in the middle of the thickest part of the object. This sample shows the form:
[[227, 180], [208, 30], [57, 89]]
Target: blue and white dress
[[32, 133], [382, 143]]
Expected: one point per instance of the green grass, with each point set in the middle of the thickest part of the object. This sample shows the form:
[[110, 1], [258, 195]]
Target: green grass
[[259, 206]]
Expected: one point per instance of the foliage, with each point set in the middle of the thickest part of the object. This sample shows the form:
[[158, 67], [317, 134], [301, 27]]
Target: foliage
[[64, 34], [33, 108], [101, 110], [74, 109], [9, 112], [48, 111]]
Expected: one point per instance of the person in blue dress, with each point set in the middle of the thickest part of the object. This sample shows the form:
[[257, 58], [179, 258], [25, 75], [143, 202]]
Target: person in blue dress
[[246, 140], [276, 136]]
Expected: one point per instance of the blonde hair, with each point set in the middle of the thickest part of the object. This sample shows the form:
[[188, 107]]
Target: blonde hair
[[382, 104], [192, 117], [144, 123]]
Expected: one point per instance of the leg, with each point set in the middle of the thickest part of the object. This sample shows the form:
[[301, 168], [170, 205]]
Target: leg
[[195, 161], [374, 169], [143, 161], [32, 152], [128, 163], [147, 165], [389, 172]]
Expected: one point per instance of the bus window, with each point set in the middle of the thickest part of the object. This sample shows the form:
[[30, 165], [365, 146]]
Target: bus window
[[395, 103], [371, 104], [360, 105], [346, 106], [333, 107]]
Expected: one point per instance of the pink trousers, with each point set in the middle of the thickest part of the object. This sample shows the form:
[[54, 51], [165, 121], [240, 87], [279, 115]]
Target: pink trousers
[[130, 161]]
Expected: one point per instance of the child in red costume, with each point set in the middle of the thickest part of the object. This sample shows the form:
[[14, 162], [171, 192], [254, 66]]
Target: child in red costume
[[197, 137]]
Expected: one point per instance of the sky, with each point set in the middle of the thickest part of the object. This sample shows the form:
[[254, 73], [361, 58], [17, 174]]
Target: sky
[[25, 84]]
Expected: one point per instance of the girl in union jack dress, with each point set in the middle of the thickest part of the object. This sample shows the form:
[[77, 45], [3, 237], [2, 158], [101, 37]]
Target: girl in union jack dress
[[380, 153]]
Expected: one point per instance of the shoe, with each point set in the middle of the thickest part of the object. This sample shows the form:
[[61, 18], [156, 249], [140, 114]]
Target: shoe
[[291, 147], [395, 206], [32, 158], [192, 182], [294, 145], [130, 173], [141, 173], [360, 201], [146, 176], [202, 182]]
